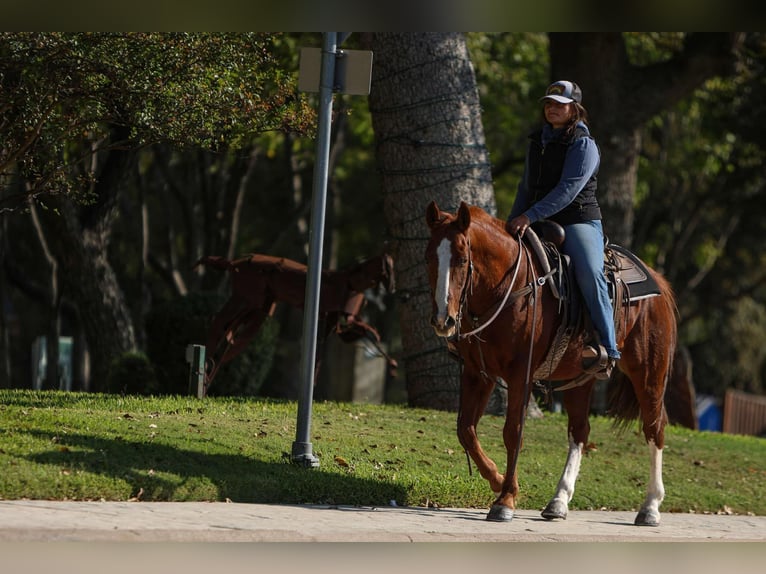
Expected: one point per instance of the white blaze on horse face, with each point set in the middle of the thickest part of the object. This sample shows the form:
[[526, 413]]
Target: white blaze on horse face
[[441, 294]]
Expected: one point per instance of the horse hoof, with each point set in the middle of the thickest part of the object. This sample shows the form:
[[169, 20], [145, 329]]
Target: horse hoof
[[555, 509], [500, 513], [647, 518]]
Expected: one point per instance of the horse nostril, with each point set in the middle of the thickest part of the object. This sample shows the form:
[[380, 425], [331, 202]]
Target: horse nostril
[[446, 324]]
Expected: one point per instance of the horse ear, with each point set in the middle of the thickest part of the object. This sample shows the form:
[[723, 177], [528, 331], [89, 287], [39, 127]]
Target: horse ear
[[432, 214], [463, 216]]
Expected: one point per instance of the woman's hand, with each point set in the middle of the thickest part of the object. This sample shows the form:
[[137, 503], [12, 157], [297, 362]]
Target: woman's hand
[[518, 225]]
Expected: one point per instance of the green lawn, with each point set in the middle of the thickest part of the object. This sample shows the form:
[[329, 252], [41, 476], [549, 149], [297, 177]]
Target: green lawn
[[78, 446]]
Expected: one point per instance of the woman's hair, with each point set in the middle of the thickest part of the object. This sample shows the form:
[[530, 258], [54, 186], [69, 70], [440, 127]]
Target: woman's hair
[[580, 115]]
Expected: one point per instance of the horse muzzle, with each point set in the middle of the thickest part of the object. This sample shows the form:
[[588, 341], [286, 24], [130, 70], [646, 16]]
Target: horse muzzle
[[443, 326]]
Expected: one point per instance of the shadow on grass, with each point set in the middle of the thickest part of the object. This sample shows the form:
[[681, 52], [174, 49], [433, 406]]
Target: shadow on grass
[[157, 472]]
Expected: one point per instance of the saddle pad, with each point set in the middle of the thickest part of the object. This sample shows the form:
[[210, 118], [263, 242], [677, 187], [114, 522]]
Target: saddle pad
[[634, 274]]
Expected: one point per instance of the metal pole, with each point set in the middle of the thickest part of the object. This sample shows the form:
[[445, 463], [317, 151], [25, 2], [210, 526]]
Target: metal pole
[[302, 449]]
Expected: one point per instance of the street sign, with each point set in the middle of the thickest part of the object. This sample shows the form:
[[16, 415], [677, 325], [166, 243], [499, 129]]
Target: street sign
[[353, 71]]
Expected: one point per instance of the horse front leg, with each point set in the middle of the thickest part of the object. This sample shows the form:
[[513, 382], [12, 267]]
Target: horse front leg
[[577, 404], [474, 395], [503, 508]]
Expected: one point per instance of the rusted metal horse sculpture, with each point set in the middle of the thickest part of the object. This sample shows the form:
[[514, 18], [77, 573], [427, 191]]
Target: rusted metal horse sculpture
[[258, 282], [490, 302]]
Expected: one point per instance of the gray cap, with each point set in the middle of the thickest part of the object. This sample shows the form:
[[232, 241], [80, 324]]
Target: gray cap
[[564, 92]]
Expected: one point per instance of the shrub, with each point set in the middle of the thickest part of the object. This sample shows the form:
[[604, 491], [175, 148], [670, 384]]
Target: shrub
[[132, 374]]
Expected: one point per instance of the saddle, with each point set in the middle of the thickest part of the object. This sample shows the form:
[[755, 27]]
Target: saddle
[[627, 277]]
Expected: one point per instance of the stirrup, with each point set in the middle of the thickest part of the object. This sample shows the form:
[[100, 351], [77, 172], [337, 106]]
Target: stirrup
[[596, 362]]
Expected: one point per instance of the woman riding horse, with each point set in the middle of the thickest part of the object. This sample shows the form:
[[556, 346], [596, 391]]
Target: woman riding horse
[[490, 302]]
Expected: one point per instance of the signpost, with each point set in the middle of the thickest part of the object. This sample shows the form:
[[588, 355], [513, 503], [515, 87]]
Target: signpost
[[326, 71]]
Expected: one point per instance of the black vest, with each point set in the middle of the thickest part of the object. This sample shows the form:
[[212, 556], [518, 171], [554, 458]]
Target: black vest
[[545, 166]]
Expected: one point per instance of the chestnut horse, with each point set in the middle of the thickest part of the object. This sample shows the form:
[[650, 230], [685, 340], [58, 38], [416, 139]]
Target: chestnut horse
[[258, 282], [490, 302]]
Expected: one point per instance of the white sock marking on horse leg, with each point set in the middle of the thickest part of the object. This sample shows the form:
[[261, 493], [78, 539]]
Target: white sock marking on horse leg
[[655, 491], [566, 486], [444, 252]]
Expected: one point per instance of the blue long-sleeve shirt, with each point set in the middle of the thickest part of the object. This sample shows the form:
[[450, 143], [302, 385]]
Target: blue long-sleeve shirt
[[581, 162]]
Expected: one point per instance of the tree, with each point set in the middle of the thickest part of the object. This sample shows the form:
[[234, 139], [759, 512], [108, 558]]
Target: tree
[[73, 109], [512, 70], [700, 214], [429, 145], [622, 96]]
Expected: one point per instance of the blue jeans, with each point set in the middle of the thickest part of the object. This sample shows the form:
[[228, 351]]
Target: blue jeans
[[584, 244]]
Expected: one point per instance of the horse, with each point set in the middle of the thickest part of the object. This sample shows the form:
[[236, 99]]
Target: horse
[[490, 302], [258, 282]]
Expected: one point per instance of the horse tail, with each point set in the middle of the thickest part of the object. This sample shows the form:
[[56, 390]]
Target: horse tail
[[215, 261], [621, 397], [622, 400]]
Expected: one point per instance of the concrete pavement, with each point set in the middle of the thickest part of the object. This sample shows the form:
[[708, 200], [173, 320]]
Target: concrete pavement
[[46, 521], [49, 537]]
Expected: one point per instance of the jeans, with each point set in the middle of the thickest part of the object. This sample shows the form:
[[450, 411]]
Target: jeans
[[584, 244]]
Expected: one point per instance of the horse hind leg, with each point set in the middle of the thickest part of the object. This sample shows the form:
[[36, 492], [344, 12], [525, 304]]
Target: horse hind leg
[[649, 513], [653, 416]]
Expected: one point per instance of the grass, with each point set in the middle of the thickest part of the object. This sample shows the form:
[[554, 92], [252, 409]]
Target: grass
[[77, 446]]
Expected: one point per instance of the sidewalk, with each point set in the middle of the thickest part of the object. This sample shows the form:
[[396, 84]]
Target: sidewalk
[[48, 537], [45, 521]]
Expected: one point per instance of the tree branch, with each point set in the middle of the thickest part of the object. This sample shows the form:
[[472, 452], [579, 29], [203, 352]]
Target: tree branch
[[647, 90]]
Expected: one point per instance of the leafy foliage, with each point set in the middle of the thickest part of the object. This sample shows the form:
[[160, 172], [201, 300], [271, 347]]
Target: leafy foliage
[[62, 91], [214, 100], [700, 218], [512, 72]]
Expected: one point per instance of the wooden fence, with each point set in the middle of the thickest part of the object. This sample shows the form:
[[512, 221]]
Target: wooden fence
[[744, 413]]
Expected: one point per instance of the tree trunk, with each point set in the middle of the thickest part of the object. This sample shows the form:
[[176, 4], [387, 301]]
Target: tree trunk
[[52, 307], [430, 145], [90, 282], [5, 338], [81, 247]]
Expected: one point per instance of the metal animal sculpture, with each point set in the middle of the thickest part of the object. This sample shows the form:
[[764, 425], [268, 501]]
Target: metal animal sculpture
[[490, 302], [258, 282]]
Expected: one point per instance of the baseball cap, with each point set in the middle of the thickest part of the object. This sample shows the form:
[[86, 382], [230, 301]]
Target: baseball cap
[[564, 92]]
